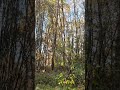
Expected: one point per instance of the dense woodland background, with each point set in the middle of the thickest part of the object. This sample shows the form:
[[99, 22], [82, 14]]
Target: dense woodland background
[[59, 43], [48, 45]]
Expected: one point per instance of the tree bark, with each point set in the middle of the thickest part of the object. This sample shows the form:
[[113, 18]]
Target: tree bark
[[102, 44], [17, 44]]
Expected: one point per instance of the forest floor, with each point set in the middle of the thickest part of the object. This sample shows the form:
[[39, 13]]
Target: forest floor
[[54, 81]]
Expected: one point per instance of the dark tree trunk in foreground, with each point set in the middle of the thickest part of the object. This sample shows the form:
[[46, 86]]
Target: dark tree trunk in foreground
[[102, 44], [17, 42]]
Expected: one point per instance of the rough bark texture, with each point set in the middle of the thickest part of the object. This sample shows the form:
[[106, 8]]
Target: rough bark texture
[[102, 44], [17, 42]]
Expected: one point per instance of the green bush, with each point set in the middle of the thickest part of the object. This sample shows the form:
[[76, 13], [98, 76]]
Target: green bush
[[73, 77], [46, 79], [65, 80], [79, 73]]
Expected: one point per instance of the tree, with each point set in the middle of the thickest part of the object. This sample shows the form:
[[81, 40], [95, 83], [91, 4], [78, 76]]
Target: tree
[[17, 44], [102, 44], [62, 35]]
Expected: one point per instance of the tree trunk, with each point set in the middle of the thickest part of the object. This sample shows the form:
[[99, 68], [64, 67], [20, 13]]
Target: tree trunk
[[102, 44], [17, 44]]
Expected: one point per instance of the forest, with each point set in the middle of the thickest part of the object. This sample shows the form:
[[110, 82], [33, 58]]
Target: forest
[[59, 44]]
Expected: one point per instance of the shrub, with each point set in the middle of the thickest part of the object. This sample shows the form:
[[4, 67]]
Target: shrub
[[65, 81], [45, 78]]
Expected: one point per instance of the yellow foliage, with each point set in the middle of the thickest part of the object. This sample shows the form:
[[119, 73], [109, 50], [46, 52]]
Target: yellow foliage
[[52, 1]]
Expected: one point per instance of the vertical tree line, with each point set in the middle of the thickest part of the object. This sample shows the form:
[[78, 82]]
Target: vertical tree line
[[62, 34]]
